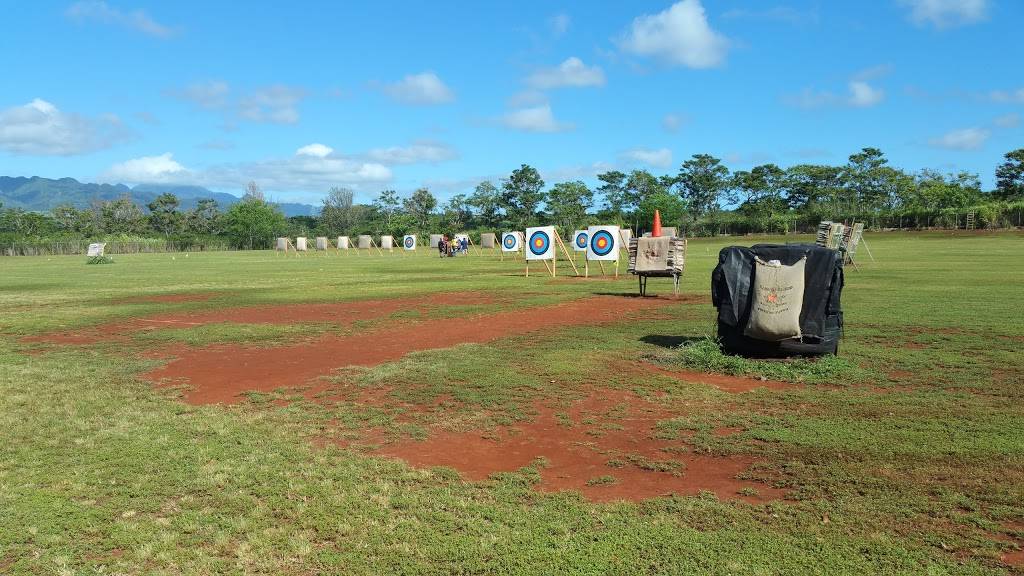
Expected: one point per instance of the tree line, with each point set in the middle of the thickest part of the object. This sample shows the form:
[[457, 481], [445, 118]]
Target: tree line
[[704, 197]]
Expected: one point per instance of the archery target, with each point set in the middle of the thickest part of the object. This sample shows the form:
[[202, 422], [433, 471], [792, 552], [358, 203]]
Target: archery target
[[300, 243], [387, 243], [604, 243], [342, 242], [540, 243], [511, 242], [409, 242], [364, 241], [487, 240], [579, 240], [321, 243]]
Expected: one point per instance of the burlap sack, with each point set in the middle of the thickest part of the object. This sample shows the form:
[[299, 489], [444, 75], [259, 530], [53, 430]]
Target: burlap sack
[[778, 298], [652, 254]]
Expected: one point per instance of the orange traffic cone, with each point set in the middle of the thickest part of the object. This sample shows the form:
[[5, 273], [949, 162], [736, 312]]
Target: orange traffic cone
[[656, 229]]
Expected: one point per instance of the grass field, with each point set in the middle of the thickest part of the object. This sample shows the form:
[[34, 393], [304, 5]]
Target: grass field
[[903, 455]]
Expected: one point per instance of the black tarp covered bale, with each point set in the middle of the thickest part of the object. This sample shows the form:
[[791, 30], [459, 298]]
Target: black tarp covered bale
[[821, 316]]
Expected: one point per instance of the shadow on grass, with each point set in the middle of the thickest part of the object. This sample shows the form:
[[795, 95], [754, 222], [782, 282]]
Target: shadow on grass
[[672, 342]]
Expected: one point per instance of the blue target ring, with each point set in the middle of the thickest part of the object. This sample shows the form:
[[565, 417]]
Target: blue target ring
[[539, 242], [602, 243], [509, 241], [581, 240], [410, 242]]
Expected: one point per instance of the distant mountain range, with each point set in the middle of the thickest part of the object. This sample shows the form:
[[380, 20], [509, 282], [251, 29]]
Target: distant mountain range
[[37, 194]]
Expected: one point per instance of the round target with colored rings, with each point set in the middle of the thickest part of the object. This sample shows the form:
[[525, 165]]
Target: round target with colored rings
[[510, 241], [602, 243], [539, 242], [581, 240], [410, 242]]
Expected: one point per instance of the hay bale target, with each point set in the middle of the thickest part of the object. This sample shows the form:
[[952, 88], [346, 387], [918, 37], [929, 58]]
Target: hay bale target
[[300, 244], [282, 244], [603, 243], [387, 243], [512, 242], [487, 240], [540, 243], [364, 241], [343, 243], [625, 235], [321, 243], [435, 239], [579, 240]]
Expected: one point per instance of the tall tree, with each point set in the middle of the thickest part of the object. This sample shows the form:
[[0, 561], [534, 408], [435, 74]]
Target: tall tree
[[420, 206], [702, 181], [1010, 176], [122, 216], [203, 218], [762, 189], [457, 213], [522, 193], [387, 205], [253, 192], [253, 223], [815, 189], [487, 203], [568, 203], [613, 190], [336, 212], [163, 214]]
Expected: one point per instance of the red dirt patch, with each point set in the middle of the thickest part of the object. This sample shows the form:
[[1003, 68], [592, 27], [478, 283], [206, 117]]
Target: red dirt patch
[[221, 373], [170, 298], [602, 446], [341, 313], [733, 384]]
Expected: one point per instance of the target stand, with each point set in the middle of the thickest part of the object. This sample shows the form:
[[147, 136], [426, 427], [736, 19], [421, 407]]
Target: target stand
[[602, 246], [543, 244]]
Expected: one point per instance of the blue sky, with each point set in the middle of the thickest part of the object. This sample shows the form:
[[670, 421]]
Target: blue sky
[[302, 96]]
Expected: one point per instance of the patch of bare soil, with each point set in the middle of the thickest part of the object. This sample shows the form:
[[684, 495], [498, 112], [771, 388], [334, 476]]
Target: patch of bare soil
[[341, 313], [726, 383], [221, 373], [170, 298], [603, 446]]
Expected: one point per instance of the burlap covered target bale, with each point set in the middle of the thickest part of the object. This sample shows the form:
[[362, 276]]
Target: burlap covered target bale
[[364, 241], [435, 239], [300, 243], [778, 295], [387, 242], [342, 242], [282, 244], [321, 243], [487, 240]]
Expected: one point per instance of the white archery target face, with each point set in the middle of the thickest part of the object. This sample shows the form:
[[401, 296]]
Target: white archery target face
[[579, 240], [511, 242], [603, 243], [409, 242], [540, 243]]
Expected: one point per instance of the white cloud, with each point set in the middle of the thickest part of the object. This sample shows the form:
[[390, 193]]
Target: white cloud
[[138, 20], [672, 122], [423, 88], [209, 95], [315, 150], [559, 24], [571, 72], [1007, 96], [272, 104], [148, 170], [40, 128], [860, 94], [423, 151], [863, 95], [946, 13], [962, 139], [1011, 120], [534, 119], [680, 36], [660, 158]]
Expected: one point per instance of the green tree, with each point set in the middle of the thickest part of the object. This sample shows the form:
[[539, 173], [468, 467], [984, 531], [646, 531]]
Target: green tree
[[521, 194], [762, 189], [420, 206], [568, 203], [815, 189], [203, 219], [253, 223], [487, 203], [163, 214], [122, 216], [387, 206], [1010, 176], [457, 212], [702, 181], [613, 190], [336, 212]]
